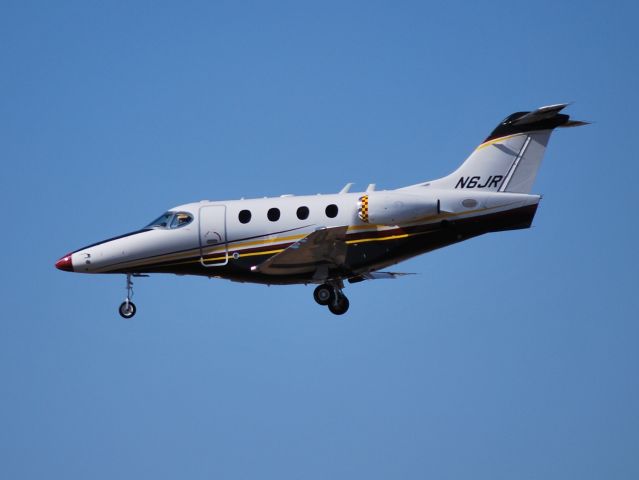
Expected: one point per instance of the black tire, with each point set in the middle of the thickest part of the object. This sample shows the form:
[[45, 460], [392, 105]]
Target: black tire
[[127, 310], [340, 307], [324, 294]]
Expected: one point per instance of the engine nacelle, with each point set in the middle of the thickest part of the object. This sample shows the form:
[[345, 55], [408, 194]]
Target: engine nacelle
[[390, 208]]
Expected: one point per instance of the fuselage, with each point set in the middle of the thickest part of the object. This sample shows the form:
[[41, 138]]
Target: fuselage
[[228, 239]]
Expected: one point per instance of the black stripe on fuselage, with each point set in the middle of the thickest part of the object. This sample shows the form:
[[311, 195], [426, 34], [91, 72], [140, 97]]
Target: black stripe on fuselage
[[114, 238], [124, 235]]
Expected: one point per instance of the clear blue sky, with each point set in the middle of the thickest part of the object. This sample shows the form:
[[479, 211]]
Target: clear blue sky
[[513, 355]]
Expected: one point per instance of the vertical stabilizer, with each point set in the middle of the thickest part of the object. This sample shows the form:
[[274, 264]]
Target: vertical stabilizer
[[509, 158]]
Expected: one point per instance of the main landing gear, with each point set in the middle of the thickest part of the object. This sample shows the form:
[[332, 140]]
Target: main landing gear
[[331, 296], [127, 308]]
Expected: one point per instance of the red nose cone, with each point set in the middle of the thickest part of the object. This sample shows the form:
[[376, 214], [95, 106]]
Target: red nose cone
[[65, 263]]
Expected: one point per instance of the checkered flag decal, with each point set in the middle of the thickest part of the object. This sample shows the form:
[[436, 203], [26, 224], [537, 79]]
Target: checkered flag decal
[[362, 208]]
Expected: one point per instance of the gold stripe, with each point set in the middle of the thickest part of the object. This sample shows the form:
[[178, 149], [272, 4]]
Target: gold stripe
[[235, 246], [380, 239], [261, 253], [497, 140], [371, 228], [206, 259]]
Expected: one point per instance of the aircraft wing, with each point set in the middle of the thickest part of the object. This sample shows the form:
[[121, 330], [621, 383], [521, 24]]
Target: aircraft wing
[[323, 249]]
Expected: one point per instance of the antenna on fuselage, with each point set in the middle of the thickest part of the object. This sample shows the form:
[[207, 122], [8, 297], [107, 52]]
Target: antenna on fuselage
[[346, 188]]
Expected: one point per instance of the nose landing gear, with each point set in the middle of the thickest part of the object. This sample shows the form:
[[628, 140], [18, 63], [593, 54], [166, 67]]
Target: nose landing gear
[[127, 308], [331, 295]]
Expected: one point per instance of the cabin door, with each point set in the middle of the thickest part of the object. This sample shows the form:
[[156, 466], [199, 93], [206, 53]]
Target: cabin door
[[213, 246]]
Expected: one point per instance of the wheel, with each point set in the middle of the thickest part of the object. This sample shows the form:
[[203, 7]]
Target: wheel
[[323, 294], [340, 307], [127, 309]]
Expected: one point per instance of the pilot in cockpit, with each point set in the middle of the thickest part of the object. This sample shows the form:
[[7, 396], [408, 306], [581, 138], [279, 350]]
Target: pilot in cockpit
[[181, 219]]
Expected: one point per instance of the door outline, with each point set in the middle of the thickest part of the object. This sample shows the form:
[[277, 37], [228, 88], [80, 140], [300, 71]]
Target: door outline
[[219, 230]]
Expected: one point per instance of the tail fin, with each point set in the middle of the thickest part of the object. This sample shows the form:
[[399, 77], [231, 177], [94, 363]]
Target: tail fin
[[508, 160]]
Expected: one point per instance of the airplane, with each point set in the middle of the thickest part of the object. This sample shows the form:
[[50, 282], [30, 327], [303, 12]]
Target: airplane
[[326, 240]]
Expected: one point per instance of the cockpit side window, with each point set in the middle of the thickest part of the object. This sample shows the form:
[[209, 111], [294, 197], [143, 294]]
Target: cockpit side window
[[181, 219]]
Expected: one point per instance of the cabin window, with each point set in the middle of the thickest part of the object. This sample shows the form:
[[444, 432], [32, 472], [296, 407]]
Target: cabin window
[[302, 213], [331, 211], [244, 216], [273, 214]]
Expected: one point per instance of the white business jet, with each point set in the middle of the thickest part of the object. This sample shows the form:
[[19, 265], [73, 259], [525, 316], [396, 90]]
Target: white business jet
[[329, 239]]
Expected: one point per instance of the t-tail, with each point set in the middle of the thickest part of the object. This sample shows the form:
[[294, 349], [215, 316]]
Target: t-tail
[[509, 158]]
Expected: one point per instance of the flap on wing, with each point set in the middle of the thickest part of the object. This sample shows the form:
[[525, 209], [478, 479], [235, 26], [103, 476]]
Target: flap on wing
[[325, 247], [385, 275], [378, 276]]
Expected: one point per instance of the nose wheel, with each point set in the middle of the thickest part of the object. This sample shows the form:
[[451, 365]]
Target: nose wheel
[[331, 296], [127, 308]]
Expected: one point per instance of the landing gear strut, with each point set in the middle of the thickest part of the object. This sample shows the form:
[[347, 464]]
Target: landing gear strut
[[331, 295], [127, 308]]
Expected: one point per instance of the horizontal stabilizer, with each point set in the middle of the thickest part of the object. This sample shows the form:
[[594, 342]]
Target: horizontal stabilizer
[[574, 123], [540, 114], [544, 118]]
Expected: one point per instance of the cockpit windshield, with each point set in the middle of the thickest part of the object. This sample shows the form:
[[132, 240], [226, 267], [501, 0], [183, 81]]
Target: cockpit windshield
[[162, 221], [171, 220]]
